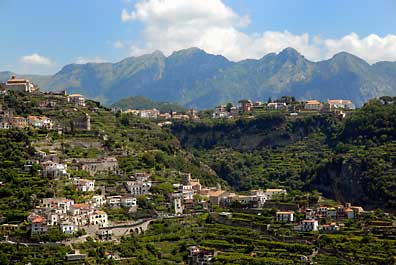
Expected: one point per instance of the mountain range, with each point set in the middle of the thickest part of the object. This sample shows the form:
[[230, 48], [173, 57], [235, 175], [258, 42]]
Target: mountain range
[[194, 78]]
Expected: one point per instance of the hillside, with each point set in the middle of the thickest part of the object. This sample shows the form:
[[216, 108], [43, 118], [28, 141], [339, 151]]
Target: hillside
[[139, 145], [347, 160], [195, 78]]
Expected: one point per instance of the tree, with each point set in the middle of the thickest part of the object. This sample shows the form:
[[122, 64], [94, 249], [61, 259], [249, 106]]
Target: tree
[[228, 107]]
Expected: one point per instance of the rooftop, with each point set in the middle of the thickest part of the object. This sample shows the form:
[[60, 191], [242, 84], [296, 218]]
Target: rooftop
[[313, 102]]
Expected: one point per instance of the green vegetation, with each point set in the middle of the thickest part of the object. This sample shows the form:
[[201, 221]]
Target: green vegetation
[[18, 254], [141, 103], [348, 160], [21, 187], [245, 239], [313, 155], [192, 77]]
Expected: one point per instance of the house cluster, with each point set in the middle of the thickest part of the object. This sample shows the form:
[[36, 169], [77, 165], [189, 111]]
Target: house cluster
[[313, 215], [222, 111], [229, 111], [140, 185], [156, 114], [125, 201], [70, 216], [10, 121], [66, 215], [52, 168], [246, 106], [183, 197], [331, 105]]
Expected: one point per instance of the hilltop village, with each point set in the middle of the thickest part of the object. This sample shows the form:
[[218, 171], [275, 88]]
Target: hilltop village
[[285, 104], [111, 178]]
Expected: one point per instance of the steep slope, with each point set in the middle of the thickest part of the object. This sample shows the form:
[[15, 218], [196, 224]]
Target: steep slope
[[271, 76], [106, 81], [349, 160]]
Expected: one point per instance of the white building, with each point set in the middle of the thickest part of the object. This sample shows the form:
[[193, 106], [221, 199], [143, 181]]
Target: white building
[[313, 105], [20, 85], [121, 201], [287, 216], [340, 104], [270, 193], [220, 112], [138, 187], [55, 170], [331, 228], [150, 113], [309, 225], [40, 122], [85, 185], [98, 200], [80, 213], [63, 204], [188, 192], [276, 106], [114, 201], [77, 99], [98, 218], [128, 201], [259, 197], [53, 218], [67, 227]]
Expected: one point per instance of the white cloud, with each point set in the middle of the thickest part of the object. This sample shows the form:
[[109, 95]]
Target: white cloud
[[372, 48], [119, 45], [170, 25], [83, 60], [35, 59]]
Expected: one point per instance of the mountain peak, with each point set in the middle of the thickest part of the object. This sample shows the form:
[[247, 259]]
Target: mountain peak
[[157, 53], [346, 57], [188, 51], [289, 51], [343, 54], [291, 55]]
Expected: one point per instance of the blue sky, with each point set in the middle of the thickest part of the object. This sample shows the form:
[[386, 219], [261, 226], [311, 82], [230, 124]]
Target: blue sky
[[42, 36]]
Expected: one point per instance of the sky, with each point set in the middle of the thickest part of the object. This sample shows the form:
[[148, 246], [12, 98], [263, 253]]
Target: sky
[[40, 37]]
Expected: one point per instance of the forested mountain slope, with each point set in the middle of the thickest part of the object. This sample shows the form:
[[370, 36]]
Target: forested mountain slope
[[194, 78]]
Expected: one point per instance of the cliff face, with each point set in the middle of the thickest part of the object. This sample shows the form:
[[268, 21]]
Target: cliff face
[[362, 176], [342, 181]]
